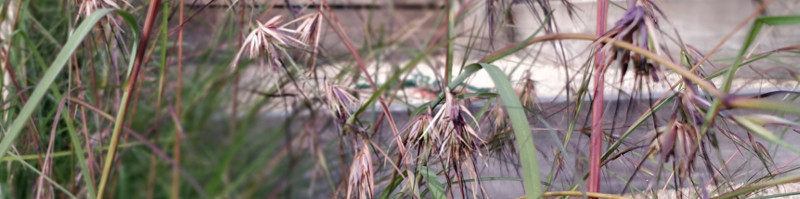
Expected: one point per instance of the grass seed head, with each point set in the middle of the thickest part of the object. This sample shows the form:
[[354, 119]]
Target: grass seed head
[[451, 123], [267, 39], [361, 180], [633, 28], [87, 7], [417, 136], [459, 141], [677, 142], [341, 103], [309, 30]]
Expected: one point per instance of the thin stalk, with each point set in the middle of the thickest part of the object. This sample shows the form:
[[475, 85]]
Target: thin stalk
[[339, 30], [32, 168], [451, 20], [177, 113], [702, 83], [176, 172], [596, 143], [129, 88], [179, 81]]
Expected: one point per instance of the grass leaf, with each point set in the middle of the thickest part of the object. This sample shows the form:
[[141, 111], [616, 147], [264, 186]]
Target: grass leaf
[[50, 76], [53, 182], [436, 188], [762, 132]]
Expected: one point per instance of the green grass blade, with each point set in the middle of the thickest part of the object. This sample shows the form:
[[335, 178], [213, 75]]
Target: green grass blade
[[49, 77], [78, 150], [522, 130], [79, 153], [436, 188], [751, 36], [747, 189], [762, 132], [766, 105], [780, 195], [53, 182]]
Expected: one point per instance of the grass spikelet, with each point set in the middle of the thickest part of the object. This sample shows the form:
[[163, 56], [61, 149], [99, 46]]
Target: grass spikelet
[[460, 142], [361, 180], [266, 40], [341, 103]]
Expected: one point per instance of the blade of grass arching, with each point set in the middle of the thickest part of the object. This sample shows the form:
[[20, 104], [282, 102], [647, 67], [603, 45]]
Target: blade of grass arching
[[751, 36], [31, 167], [763, 104], [79, 153], [780, 195], [754, 187], [50, 75], [762, 132], [130, 87], [78, 149], [522, 131], [436, 188]]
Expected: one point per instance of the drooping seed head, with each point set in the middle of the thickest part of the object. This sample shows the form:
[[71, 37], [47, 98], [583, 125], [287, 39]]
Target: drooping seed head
[[633, 28], [361, 180], [341, 103]]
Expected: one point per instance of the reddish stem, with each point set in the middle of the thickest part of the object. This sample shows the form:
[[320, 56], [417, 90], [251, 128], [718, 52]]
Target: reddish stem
[[596, 144]]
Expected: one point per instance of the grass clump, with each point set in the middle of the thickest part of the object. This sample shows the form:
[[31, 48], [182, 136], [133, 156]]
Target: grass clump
[[285, 100]]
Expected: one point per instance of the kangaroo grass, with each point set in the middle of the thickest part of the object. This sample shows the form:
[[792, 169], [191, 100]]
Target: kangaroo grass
[[441, 152], [51, 73], [130, 87], [532, 186]]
